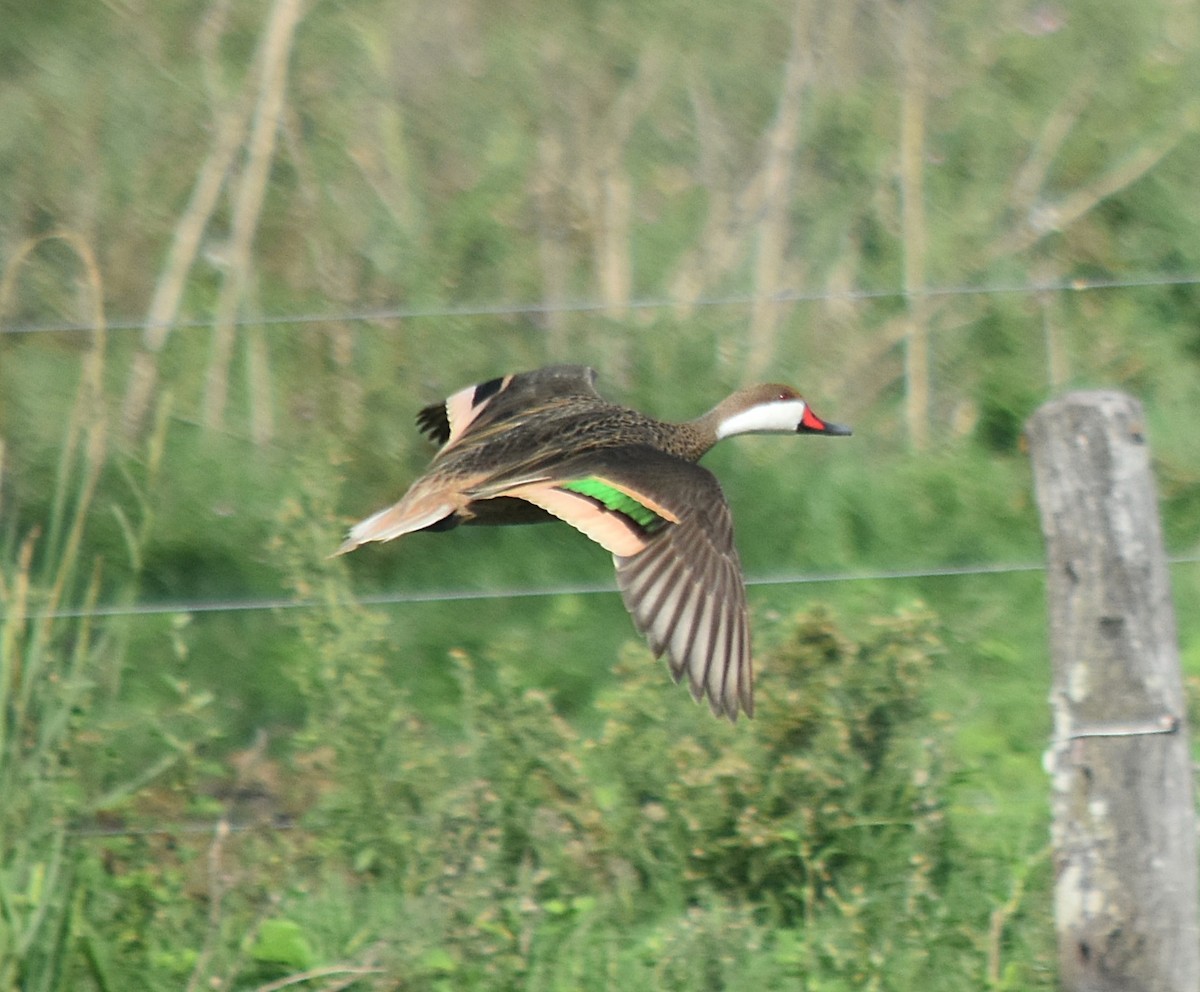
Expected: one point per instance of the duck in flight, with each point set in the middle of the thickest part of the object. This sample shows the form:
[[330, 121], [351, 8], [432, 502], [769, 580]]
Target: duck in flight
[[541, 445]]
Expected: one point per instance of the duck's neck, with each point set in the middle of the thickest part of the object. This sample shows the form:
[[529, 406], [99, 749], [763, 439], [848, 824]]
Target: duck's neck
[[694, 438]]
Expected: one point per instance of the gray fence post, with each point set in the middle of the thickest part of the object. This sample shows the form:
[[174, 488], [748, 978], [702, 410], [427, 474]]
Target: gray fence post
[[1124, 830]]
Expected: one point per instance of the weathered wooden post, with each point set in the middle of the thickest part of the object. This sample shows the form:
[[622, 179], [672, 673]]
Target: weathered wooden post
[[1124, 828]]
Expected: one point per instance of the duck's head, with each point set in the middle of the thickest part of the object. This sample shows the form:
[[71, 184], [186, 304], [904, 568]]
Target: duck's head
[[771, 409]]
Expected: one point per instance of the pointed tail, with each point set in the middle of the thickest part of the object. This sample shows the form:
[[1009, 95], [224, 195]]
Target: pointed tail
[[396, 521]]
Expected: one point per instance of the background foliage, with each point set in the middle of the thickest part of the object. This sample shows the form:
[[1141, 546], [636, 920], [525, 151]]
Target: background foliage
[[242, 242]]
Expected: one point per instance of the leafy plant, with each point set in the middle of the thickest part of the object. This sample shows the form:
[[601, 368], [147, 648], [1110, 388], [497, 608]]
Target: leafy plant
[[58, 672], [48, 667], [824, 817]]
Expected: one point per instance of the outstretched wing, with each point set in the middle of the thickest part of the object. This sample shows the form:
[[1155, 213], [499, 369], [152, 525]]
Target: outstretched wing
[[686, 594], [670, 532], [500, 399]]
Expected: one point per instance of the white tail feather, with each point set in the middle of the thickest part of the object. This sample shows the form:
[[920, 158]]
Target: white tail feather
[[396, 521]]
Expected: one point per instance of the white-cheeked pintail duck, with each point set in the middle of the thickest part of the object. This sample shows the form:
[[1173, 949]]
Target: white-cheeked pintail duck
[[544, 444]]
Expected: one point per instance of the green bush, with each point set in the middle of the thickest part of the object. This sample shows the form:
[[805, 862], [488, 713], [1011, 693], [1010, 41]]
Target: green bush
[[819, 825], [837, 780]]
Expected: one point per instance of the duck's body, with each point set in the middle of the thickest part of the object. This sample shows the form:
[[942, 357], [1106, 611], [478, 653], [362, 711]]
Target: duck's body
[[544, 444]]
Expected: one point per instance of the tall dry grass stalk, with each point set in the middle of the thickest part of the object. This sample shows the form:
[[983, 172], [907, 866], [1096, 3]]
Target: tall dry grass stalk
[[87, 420], [248, 200], [914, 55], [185, 246], [778, 176], [261, 101]]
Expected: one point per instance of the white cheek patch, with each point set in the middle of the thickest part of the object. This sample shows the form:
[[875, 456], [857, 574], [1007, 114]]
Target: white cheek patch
[[780, 417]]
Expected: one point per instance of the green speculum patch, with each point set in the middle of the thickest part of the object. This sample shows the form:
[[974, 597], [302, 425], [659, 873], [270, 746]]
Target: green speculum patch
[[616, 501]]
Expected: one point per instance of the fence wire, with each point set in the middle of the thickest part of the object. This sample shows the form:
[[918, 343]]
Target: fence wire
[[404, 597], [539, 308]]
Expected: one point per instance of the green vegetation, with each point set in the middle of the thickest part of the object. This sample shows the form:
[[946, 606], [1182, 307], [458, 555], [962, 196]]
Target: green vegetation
[[501, 791]]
